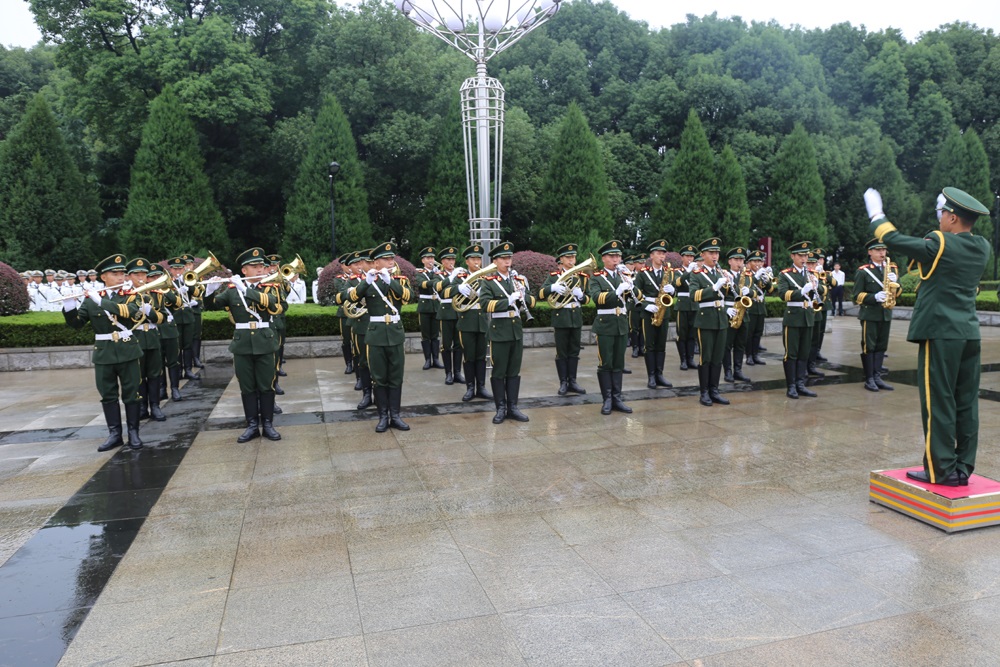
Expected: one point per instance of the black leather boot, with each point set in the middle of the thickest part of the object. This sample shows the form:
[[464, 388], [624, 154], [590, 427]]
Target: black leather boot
[[661, 359], [749, 357], [359, 383], [113, 418], [481, 390], [366, 387], [727, 365], [278, 410], [604, 382], [877, 358], [267, 416], [188, 357], [572, 365], [153, 386], [499, 399], [456, 363], [715, 371], [175, 384], [425, 345], [650, 359], [633, 342], [382, 404], [196, 351], [689, 349], [811, 370], [800, 379], [144, 400], [348, 353], [513, 388], [703, 382], [436, 353], [250, 413], [867, 364], [277, 388], [132, 424], [617, 402], [395, 398], [164, 377], [470, 382], [755, 350], [738, 367], [563, 374], [790, 379], [682, 353], [449, 376]]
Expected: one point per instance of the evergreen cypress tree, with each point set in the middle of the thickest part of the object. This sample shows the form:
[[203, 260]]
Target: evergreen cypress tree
[[307, 220], [796, 210], [734, 210], [687, 210], [574, 197], [47, 210], [171, 209], [444, 218], [977, 179], [901, 203]]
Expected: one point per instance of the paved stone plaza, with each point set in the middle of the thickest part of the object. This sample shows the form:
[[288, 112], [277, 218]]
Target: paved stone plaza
[[737, 535]]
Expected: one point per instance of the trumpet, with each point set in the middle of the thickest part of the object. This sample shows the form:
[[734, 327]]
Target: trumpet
[[293, 267], [163, 282], [570, 279], [192, 277]]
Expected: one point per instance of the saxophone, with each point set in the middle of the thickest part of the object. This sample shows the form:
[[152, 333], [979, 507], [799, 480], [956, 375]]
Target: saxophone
[[743, 303], [892, 289], [663, 301]]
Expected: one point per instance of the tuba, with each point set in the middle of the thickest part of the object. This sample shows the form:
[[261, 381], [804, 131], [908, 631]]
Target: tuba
[[571, 280], [462, 303], [192, 277]]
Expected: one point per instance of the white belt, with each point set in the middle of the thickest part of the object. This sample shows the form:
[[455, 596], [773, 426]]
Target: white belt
[[476, 306], [509, 314], [384, 319], [253, 325], [445, 300], [730, 303], [684, 294], [572, 304], [426, 296], [650, 299], [710, 304], [115, 336], [149, 327], [799, 304], [610, 311]]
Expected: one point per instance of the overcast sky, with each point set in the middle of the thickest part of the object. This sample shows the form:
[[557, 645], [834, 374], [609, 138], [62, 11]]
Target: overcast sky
[[18, 29]]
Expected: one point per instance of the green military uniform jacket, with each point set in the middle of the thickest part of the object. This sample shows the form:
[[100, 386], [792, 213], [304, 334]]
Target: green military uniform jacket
[[682, 280], [601, 289], [114, 309], [382, 331], [650, 286], [789, 288], [266, 301], [473, 320], [167, 302], [569, 317], [426, 294], [505, 319], [950, 266], [441, 283], [701, 282], [759, 289], [147, 331], [359, 325], [184, 313], [868, 282]]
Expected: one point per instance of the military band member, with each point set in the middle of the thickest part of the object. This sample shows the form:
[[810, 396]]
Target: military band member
[[827, 283], [148, 335], [358, 263], [451, 348], [168, 303], [686, 309], [736, 338], [708, 286], [196, 310], [116, 351], [822, 296], [763, 284], [184, 316], [251, 306], [384, 295], [505, 296], [610, 290], [427, 309], [567, 322], [279, 325], [951, 261], [472, 331], [870, 293], [341, 282], [636, 340], [654, 282], [797, 289]]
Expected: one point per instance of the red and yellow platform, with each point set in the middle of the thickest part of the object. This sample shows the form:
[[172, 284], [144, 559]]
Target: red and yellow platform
[[950, 508]]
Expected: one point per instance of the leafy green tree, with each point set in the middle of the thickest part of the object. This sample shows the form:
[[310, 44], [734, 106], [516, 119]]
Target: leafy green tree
[[731, 193], [796, 209], [574, 196], [900, 201], [47, 210], [170, 205], [977, 178], [687, 210], [307, 222]]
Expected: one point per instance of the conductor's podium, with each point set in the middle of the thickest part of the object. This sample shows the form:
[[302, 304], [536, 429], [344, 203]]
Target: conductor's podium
[[950, 508]]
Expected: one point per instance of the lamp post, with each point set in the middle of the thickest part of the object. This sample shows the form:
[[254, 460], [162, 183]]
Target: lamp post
[[332, 170], [480, 29]]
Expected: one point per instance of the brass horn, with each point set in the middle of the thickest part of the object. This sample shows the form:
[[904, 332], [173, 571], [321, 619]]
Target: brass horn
[[571, 280], [295, 266], [192, 277], [462, 303], [163, 282]]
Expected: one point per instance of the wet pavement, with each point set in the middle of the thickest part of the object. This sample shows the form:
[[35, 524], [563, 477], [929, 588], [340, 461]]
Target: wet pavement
[[676, 535]]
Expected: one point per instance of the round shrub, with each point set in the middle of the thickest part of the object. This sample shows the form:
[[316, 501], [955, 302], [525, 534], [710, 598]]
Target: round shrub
[[13, 292], [534, 266], [327, 286]]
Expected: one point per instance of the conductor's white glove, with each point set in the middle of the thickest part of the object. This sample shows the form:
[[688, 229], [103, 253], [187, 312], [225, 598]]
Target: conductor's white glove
[[880, 297], [465, 290], [731, 312], [873, 203], [719, 283], [370, 276], [892, 277], [651, 308], [941, 201], [668, 289], [578, 293], [559, 288], [744, 291]]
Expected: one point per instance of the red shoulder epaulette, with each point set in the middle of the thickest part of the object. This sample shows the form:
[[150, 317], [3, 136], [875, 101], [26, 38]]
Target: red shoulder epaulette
[[555, 273], [493, 277], [697, 270], [400, 277], [788, 270], [600, 273], [865, 266]]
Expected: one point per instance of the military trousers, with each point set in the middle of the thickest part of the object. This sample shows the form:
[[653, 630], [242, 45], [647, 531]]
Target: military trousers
[[473, 345], [171, 351], [654, 337], [151, 363], [948, 381], [386, 365], [449, 335], [736, 339], [611, 352], [819, 330], [360, 350], [798, 342], [185, 335], [108, 377], [567, 342], [712, 343], [255, 372], [428, 326], [506, 358], [685, 325], [196, 327], [755, 328], [874, 336]]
